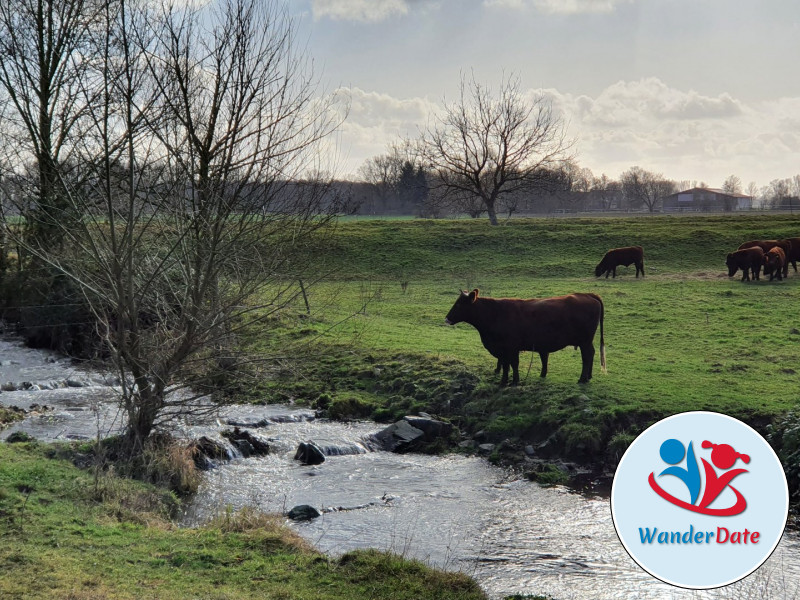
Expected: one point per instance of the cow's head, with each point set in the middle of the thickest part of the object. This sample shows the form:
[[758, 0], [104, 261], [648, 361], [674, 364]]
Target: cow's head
[[600, 269], [462, 308], [730, 261]]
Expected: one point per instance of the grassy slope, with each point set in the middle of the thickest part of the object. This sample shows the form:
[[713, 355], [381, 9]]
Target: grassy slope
[[61, 541], [684, 338]]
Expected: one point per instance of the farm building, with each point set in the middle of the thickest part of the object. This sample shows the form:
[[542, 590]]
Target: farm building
[[706, 200]]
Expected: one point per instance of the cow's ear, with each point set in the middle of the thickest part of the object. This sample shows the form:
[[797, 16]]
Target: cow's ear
[[473, 295], [730, 255]]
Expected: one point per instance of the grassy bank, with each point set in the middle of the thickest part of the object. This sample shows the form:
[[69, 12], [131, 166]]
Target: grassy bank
[[685, 338], [66, 535]]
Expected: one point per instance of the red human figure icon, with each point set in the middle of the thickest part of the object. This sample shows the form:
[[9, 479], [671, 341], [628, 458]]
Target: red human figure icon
[[724, 457]]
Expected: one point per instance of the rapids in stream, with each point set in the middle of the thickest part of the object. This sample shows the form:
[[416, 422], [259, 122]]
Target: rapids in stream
[[454, 512]]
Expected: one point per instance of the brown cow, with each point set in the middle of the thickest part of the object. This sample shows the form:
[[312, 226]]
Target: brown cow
[[775, 261], [748, 260], [632, 255], [766, 245], [508, 326], [793, 255]]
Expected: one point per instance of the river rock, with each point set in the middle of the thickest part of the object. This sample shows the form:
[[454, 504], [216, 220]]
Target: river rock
[[19, 437], [410, 433], [488, 448], [309, 453], [529, 450], [247, 443], [303, 512], [248, 424], [205, 451]]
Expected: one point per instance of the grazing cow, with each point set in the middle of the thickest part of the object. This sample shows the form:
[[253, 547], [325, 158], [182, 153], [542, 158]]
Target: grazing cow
[[766, 245], [793, 255], [508, 326], [632, 255], [748, 260], [775, 261]]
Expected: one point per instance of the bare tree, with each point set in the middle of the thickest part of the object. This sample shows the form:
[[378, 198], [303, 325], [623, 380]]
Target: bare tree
[[645, 188], [606, 190], [485, 146], [43, 50], [203, 150], [732, 185], [752, 190]]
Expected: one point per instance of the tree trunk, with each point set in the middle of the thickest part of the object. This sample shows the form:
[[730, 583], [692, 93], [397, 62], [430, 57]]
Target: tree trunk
[[492, 214]]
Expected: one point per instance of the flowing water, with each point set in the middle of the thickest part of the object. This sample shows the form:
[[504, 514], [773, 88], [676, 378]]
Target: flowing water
[[455, 512]]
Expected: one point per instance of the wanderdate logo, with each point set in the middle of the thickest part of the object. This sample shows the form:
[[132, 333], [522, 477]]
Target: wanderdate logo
[[723, 457], [699, 500]]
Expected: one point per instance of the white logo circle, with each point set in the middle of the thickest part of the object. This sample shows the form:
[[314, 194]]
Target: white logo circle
[[699, 500]]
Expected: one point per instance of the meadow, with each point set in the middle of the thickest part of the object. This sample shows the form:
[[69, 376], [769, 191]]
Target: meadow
[[686, 337], [67, 534]]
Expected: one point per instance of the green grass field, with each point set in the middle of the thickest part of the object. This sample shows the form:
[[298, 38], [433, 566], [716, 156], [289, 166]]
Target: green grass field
[[684, 338], [67, 536]]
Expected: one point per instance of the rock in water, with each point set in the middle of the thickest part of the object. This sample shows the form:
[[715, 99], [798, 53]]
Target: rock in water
[[410, 433], [20, 437], [205, 451], [247, 443], [309, 453], [303, 512]]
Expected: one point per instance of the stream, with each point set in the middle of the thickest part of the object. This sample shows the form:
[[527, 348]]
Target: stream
[[454, 512]]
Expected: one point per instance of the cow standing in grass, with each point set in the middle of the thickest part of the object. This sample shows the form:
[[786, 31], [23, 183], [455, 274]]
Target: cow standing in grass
[[775, 263], [766, 246], [508, 326], [748, 260], [632, 255], [793, 255]]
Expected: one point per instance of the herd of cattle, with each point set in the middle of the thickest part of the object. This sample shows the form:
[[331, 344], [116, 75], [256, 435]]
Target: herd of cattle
[[773, 255], [508, 326]]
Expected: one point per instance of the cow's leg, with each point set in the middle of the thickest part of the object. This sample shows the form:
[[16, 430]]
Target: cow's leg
[[608, 272], [641, 267], [745, 275], [543, 356], [794, 264], [615, 273], [515, 366], [587, 357], [504, 379], [497, 368]]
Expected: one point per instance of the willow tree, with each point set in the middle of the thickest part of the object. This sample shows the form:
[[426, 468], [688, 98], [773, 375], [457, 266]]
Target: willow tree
[[485, 146]]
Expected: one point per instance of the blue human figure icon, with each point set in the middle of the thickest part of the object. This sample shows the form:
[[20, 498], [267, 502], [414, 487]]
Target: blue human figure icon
[[672, 452]]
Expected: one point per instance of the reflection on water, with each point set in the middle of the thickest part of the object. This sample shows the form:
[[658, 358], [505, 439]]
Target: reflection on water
[[454, 512]]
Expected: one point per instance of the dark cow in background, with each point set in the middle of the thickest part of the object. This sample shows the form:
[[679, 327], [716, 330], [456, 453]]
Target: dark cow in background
[[748, 260], [766, 246], [793, 255], [632, 255], [508, 326], [775, 263]]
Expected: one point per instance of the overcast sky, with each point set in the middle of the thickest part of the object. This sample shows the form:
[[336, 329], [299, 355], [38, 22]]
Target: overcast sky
[[694, 89]]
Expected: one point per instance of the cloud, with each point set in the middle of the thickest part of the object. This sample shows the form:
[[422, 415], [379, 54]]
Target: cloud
[[368, 11], [561, 6], [376, 120], [683, 134]]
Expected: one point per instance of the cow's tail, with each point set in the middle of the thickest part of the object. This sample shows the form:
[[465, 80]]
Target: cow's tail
[[602, 336]]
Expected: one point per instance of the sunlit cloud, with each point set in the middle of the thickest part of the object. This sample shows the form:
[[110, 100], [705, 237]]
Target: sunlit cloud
[[681, 133]]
